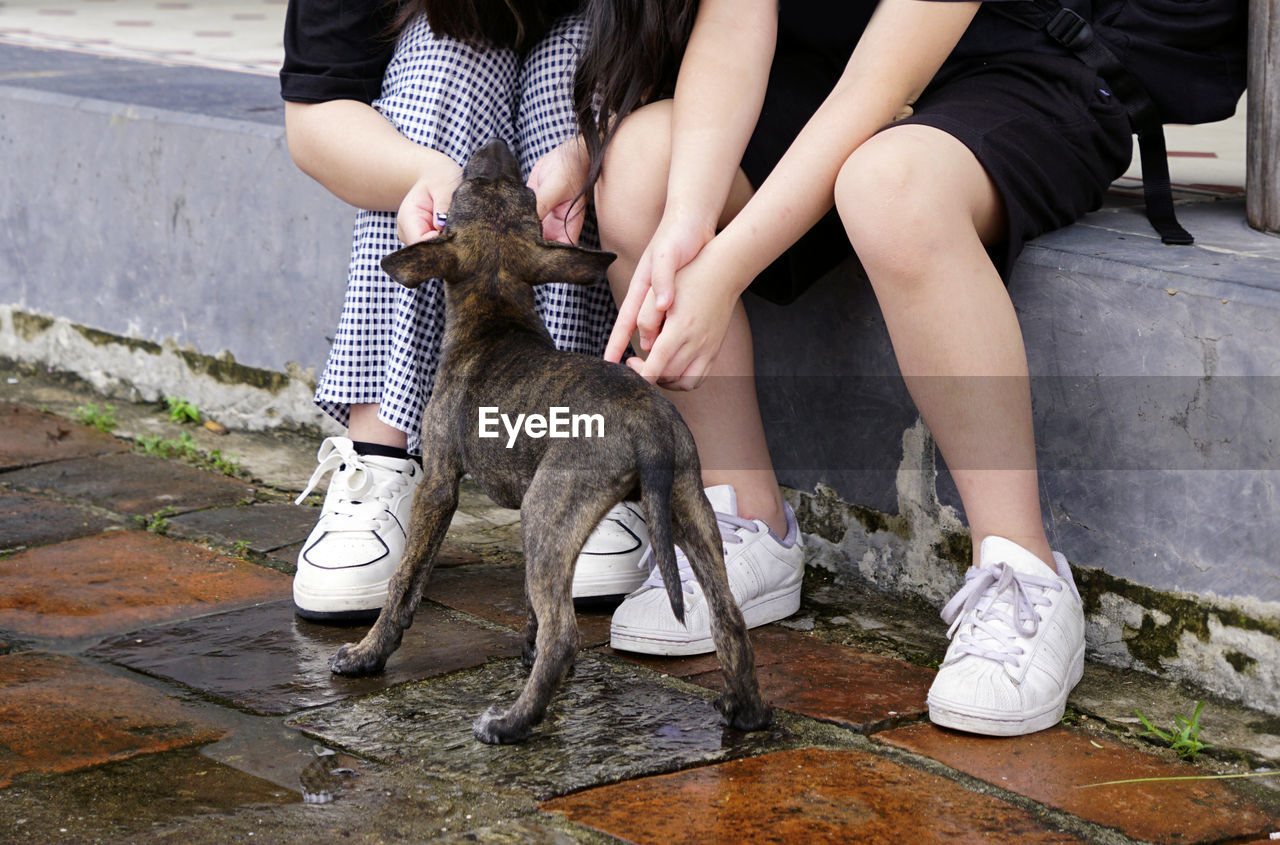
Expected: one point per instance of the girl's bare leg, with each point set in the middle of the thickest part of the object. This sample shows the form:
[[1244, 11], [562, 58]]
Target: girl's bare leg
[[724, 413], [918, 208]]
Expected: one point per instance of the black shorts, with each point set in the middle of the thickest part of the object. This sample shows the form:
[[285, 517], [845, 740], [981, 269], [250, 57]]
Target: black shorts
[[1044, 127]]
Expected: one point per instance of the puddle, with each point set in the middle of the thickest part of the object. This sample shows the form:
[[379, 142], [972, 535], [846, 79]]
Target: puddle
[[607, 723], [267, 661]]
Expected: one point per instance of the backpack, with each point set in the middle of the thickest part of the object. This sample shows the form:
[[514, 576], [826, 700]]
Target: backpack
[[1167, 61]]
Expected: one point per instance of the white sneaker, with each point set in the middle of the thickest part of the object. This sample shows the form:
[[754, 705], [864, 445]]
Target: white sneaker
[[764, 576], [609, 563], [1017, 645], [347, 561]]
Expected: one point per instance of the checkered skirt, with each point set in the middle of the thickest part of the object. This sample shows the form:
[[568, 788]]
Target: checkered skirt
[[453, 98]]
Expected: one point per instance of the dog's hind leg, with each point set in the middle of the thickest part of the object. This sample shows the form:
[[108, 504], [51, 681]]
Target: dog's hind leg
[[433, 505], [555, 519], [694, 525]]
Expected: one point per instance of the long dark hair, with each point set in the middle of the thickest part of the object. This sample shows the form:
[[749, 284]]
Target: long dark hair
[[487, 23], [632, 58]]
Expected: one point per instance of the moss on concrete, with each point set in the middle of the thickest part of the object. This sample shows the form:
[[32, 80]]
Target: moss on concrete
[[29, 325], [1242, 663], [956, 547], [1153, 641], [100, 338], [225, 370]]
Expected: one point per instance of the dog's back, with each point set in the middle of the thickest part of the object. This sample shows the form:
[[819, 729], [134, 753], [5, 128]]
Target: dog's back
[[562, 436]]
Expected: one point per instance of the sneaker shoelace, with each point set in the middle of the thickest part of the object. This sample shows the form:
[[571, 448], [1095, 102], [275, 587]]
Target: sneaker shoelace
[[1000, 603], [352, 503], [729, 525]]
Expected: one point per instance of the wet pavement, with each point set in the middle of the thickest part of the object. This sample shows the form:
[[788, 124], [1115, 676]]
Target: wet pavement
[[154, 683]]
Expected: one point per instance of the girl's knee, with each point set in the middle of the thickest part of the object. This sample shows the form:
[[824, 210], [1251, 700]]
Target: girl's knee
[[632, 189], [903, 204]]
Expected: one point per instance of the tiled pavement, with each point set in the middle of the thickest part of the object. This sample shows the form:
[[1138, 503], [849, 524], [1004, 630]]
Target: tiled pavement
[[156, 683]]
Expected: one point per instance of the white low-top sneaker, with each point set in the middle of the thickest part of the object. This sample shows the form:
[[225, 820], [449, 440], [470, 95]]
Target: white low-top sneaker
[[1017, 644], [347, 561], [764, 575], [609, 563]]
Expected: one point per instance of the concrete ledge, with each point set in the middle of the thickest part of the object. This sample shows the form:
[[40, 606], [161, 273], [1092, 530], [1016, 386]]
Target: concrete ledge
[[160, 204]]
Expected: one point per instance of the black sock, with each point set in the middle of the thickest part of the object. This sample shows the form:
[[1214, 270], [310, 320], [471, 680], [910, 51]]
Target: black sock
[[381, 451]]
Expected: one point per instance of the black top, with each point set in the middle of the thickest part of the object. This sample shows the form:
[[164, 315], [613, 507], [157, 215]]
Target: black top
[[829, 31], [336, 49], [339, 49]]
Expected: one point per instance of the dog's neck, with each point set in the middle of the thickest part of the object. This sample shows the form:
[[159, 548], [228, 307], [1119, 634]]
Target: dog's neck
[[490, 305]]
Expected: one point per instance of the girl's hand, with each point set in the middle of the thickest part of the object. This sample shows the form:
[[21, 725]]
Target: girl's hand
[[429, 196], [694, 327], [557, 179], [653, 285]]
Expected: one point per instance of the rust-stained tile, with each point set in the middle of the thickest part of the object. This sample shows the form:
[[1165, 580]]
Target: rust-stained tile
[[121, 581], [132, 484], [31, 437], [267, 660], [58, 714], [807, 795], [827, 681], [34, 521], [496, 593], [1052, 766]]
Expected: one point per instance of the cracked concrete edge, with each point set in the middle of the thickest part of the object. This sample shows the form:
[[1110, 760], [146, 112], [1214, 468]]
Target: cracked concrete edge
[[1230, 648], [245, 398]]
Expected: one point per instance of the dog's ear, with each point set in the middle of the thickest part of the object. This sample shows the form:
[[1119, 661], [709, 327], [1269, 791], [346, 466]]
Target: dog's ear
[[557, 262], [415, 264]]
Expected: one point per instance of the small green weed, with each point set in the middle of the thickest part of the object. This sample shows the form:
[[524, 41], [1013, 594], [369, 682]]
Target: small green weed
[[1184, 739], [158, 522], [102, 418], [224, 464], [240, 548], [185, 448], [156, 446], [181, 410]]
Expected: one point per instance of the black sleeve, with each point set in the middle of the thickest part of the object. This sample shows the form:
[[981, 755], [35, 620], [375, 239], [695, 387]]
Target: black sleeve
[[336, 49]]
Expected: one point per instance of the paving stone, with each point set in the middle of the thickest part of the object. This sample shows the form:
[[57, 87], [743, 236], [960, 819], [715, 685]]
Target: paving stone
[[267, 660], [58, 714], [287, 555], [121, 581], [34, 521], [132, 800], [824, 680], [496, 593], [608, 722], [184, 797], [1055, 767], [31, 437], [263, 527], [805, 795], [837, 683], [132, 484]]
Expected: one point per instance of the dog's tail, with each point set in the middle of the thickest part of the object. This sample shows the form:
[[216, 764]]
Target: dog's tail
[[655, 494]]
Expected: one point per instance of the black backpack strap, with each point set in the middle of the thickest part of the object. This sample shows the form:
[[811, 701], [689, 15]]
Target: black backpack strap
[[1072, 31]]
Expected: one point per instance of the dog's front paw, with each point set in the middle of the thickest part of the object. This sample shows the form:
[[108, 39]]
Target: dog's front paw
[[352, 660], [749, 716], [493, 729]]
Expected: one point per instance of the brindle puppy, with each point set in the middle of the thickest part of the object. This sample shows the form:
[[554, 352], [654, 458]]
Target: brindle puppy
[[497, 354]]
